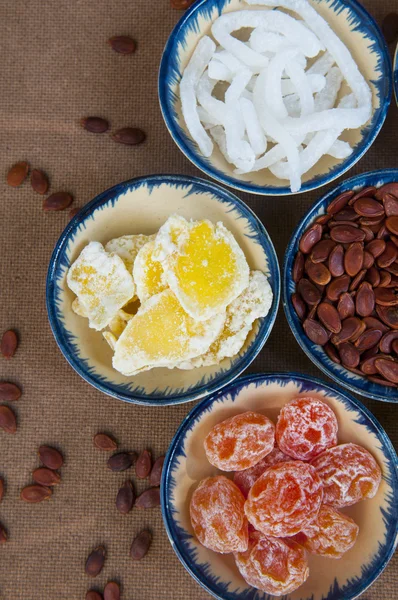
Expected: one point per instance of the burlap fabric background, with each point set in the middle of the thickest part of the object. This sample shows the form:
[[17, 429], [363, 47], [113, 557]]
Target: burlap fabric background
[[55, 68]]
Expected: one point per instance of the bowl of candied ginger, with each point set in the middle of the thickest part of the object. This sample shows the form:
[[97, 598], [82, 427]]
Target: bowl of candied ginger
[[162, 289], [281, 485]]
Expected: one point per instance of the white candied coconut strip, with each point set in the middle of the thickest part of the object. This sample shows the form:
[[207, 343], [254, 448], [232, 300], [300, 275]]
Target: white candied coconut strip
[[326, 98], [253, 127], [275, 130], [217, 70], [240, 152], [238, 84], [262, 40], [190, 79], [218, 135], [301, 83], [206, 118], [347, 101], [229, 60], [273, 20], [315, 82], [204, 91], [322, 65], [340, 149], [318, 146], [273, 81], [338, 51], [270, 158]]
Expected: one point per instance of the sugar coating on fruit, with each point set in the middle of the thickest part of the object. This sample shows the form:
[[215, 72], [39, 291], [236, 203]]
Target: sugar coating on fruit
[[204, 265], [128, 246], [102, 284], [273, 565], [245, 479], [240, 441], [162, 334], [110, 339], [305, 428], [284, 499], [253, 303], [119, 322], [331, 534], [349, 473], [217, 515], [148, 273]]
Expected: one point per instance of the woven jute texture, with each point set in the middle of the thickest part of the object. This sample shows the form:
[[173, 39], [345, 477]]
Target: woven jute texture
[[56, 68]]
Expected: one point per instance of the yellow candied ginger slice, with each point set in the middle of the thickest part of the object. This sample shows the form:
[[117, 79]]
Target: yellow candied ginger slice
[[128, 246], [110, 338], [205, 267], [253, 303], [119, 322], [162, 334], [148, 273], [78, 309], [102, 284]]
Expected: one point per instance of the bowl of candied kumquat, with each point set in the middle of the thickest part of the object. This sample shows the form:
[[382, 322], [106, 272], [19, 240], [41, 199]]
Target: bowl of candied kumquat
[[281, 485]]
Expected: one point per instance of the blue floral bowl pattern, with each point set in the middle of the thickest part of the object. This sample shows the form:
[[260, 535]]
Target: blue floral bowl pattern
[[351, 381], [395, 68], [142, 206], [354, 25], [186, 464]]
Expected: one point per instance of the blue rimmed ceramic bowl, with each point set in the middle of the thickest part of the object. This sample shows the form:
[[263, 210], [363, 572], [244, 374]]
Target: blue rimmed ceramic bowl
[[351, 381], [141, 206], [356, 28], [186, 464]]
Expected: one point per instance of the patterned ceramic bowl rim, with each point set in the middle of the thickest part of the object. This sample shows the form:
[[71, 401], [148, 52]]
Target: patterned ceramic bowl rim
[[169, 74], [353, 382], [61, 335], [395, 73], [177, 534]]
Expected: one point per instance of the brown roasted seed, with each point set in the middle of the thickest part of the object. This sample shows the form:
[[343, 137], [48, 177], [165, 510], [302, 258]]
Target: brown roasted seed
[[347, 234], [381, 381], [387, 341], [340, 202], [373, 323], [57, 201], [104, 442], [321, 251], [122, 44], [350, 356], [389, 315], [94, 124], [33, 494], [329, 317], [353, 259], [9, 344], [357, 280], [8, 421], [388, 188], [298, 267], [389, 255], [131, 136], [143, 465], [311, 237], [316, 332], [386, 296], [383, 232], [39, 181], [44, 476], [367, 207], [299, 306], [395, 346], [317, 272], [366, 191], [125, 498], [368, 339], [95, 561], [368, 260], [50, 457], [346, 306], [369, 235], [390, 205], [376, 247], [336, 261], [385, 279], [368, 363], [3, 534], [309, 293], [388, 369], [93, 595], [17, 174], [365, 299], [112, 591], [332, 353], [149, 499], [351, 329], [9, 392], [392, 224], [121, 461], [373, 276], [156, 473], [141, 544], [337, 286]]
